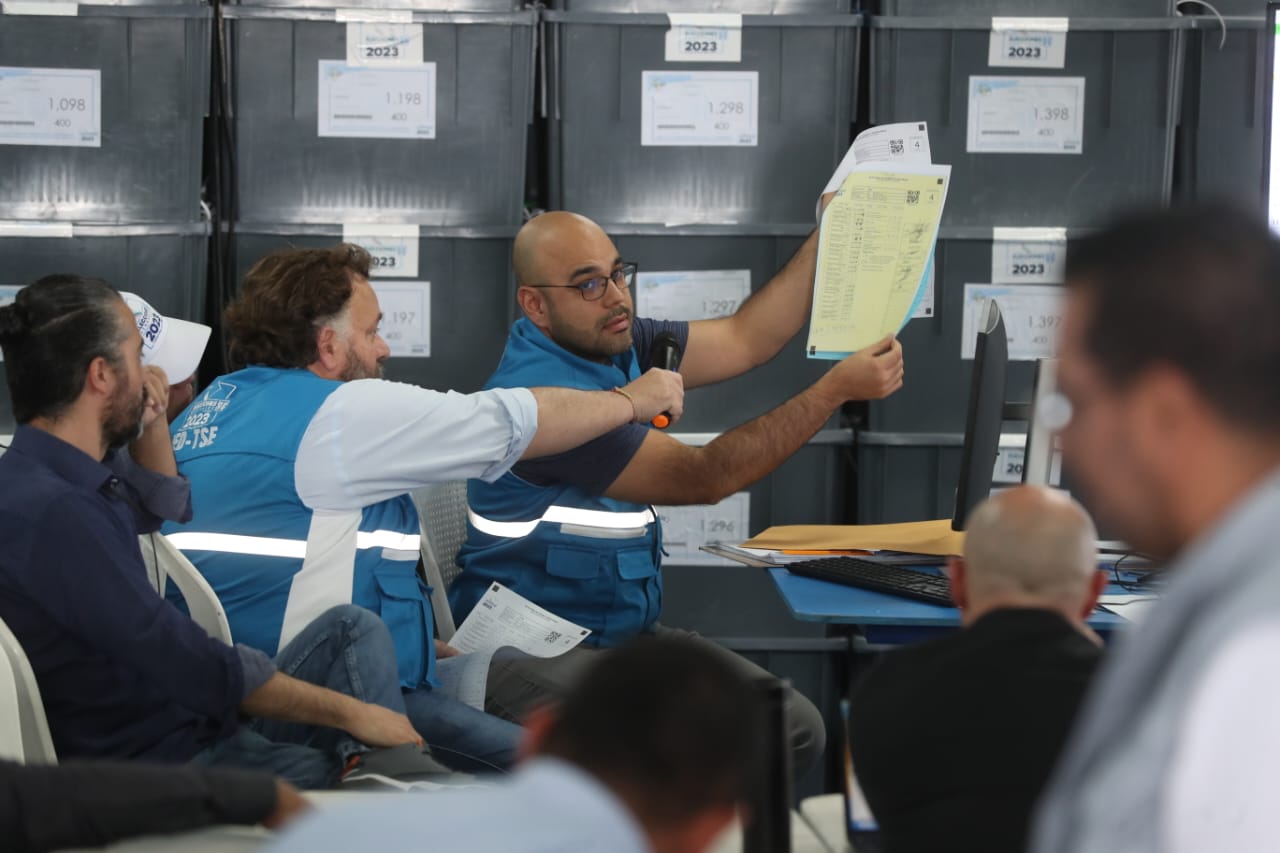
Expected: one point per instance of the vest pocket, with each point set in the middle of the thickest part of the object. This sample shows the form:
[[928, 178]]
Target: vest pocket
[[578, 563], [636, 563], [404, 606]]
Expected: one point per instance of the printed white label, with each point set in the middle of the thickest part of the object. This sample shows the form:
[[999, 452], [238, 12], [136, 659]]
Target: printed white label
[[406, 317], [691, 294], [43, 8], [1026, 115], [377, 103], [1032, 318], [1028, 255], [384, 44], [687, 528], [704, 38], [394, 248], [687, 108], [1028, 43], [51, 106]]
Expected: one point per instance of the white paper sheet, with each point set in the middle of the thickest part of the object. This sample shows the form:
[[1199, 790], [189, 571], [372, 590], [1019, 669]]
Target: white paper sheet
[[710, 37], [691, 294], [376, 103], [51, 106], [384, 44], [699, 108], [1028, 43], [503, 618], [904, 142], [1028, 255], [1032, 318], [685, 529], [406, 316], [394, 247], [1025, 115]]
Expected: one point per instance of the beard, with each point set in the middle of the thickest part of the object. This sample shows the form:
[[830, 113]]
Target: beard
[[356, 370], [591, 345], [123, 421]]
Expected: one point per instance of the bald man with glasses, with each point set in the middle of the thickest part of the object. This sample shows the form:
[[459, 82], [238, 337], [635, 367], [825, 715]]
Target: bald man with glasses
[[576, 532]]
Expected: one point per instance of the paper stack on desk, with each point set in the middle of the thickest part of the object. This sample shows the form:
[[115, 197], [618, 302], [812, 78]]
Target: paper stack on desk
[[917, 537]]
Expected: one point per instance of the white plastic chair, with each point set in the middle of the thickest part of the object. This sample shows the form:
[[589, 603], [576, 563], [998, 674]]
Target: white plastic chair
[[24, 731], [442, 512], [165, 561]]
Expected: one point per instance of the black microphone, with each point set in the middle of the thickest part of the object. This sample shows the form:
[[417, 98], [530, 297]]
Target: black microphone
[[665, 353]]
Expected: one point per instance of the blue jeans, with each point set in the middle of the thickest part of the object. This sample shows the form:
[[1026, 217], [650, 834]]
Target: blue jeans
[[348, 649]]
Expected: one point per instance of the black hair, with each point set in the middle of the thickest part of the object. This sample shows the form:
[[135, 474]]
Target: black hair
[[50, 334], [1196, 288], [668, 724]]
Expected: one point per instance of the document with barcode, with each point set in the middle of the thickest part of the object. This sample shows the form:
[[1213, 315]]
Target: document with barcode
[[505, 618]]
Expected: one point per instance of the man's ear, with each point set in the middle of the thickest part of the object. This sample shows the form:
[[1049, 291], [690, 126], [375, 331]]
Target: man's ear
[[100, 378], [537, 727], [957, 573], [533, 303], [1096, 585], [330, 352]]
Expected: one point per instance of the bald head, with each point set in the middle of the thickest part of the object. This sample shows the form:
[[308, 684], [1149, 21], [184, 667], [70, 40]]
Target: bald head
[[548, 238], [1033, 544]]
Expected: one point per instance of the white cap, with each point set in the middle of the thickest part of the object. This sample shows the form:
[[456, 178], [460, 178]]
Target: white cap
[[173, 345]]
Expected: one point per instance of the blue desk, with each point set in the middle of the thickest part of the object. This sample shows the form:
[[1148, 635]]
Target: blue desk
[[884, 618]]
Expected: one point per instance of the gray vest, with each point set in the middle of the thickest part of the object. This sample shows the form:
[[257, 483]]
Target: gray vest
[[1108, 792]]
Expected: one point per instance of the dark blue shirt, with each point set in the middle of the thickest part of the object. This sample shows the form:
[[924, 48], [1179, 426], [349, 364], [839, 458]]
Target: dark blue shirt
[[121, 672]]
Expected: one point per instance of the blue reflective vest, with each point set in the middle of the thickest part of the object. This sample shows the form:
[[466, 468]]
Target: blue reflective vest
[[586, 558], [274, 563]]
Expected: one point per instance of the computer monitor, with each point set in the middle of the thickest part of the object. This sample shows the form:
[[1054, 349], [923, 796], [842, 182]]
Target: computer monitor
[[985, 415], [1271, 112], [1042, 424]]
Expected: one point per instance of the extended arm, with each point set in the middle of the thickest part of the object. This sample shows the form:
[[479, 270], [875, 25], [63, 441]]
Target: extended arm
[[665, 471], [88, 804], [723, 348], [568, 418], [283, 697]]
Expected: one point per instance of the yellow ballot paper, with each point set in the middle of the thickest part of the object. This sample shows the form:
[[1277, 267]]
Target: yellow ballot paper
[[874, 249], [918, 537]]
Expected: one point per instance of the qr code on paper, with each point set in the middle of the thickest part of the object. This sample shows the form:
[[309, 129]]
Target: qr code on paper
[[913, 196], [896, 147], [552, 637]]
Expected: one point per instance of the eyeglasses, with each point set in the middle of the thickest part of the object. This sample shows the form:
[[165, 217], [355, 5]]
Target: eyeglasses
[[593, 289]]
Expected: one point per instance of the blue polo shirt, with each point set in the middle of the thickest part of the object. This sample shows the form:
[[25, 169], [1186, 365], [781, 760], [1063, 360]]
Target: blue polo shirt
[[121, 672]]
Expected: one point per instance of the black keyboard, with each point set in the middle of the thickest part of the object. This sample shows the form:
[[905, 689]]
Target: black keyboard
[[865, 574]]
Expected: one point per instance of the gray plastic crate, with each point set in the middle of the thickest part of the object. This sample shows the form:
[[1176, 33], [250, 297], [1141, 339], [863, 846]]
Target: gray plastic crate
[[1220, 138], [1129, 52], [472, 299], [907, 476], [154, 64], [165, 264], [727, 404], [470, 174], [807, 65]]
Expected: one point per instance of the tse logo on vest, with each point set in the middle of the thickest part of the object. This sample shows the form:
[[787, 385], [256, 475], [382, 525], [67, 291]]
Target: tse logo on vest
[[195, 438]]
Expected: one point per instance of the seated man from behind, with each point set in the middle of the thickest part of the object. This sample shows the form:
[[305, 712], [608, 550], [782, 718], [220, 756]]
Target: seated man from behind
[[953, 740], [121, 672], [302, 460], [653, 751], [576, 533]]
